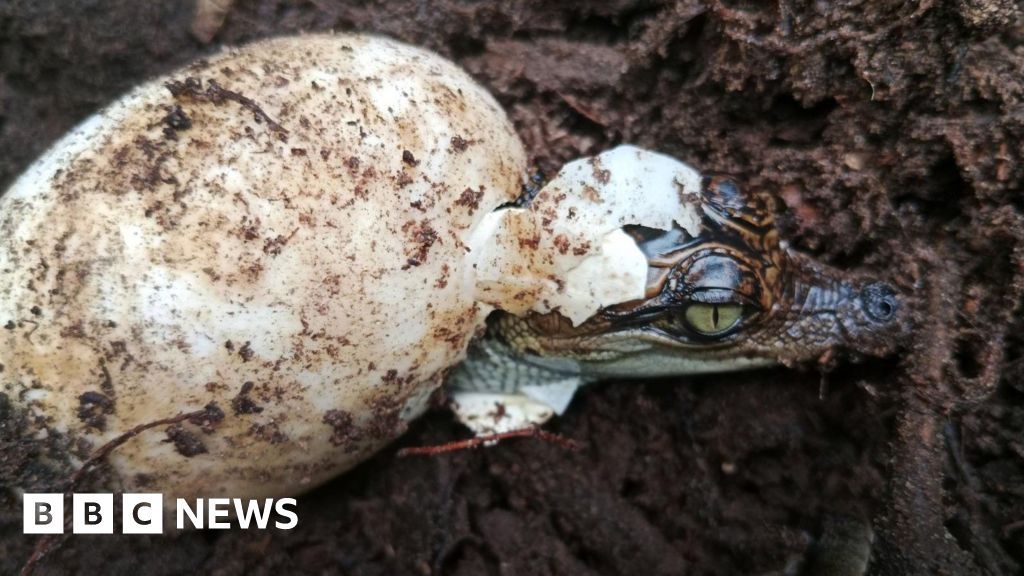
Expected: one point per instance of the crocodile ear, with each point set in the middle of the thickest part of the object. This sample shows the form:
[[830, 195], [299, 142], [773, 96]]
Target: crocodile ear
[[726, 200]]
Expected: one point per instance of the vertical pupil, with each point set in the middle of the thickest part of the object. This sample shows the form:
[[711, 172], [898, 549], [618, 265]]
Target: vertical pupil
[[714, 315]]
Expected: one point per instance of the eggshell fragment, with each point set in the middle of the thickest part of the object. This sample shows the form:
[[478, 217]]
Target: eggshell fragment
[[278, 232], [567, 250]]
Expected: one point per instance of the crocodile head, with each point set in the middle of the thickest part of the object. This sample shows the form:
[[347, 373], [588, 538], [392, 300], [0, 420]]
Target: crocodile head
[[734, 296]]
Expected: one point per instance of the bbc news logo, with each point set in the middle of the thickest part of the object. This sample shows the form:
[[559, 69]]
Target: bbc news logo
[[144, 513]]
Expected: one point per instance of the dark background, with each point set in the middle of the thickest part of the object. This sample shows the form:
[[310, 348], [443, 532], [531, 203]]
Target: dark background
[[892, 133]]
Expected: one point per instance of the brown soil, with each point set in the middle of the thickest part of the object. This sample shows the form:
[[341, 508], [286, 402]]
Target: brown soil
[[893, 132]]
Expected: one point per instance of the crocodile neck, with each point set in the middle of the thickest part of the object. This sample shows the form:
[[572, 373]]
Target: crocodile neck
[[493, 365]]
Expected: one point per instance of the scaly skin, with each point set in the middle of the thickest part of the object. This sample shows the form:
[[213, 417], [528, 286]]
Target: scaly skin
[[793, 309]]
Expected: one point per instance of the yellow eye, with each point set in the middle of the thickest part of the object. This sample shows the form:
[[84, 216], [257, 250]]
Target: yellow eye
[[713, 319]]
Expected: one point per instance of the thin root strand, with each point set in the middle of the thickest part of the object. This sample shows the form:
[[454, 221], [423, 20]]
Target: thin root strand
[[489, 439]]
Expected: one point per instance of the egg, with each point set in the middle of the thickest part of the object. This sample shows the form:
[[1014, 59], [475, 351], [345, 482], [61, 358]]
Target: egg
[[279, 233]]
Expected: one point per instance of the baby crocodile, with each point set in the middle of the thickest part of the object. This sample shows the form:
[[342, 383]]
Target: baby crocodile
[[732, 297]]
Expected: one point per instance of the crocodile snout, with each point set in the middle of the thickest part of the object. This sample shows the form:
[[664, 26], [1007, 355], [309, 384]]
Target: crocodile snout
[[880, 301]]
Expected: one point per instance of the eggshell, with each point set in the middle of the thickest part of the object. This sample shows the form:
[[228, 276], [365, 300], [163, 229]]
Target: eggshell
[[566, 251], [280, 231]]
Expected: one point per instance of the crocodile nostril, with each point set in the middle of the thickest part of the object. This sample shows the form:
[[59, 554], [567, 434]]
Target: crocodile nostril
[[880, 301]]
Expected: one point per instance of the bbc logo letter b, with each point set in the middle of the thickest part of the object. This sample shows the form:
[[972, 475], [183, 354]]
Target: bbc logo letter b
[[92, 513], [43, 513]]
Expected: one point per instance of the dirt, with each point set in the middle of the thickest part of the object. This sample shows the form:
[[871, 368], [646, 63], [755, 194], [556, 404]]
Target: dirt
[[892, 134]]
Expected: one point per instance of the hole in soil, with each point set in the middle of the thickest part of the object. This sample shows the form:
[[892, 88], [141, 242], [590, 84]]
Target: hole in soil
[[466, 47], [942, 200], [968, 352], [631, 489], [799, 124], [597, 28], [689, 47], [959, 528]]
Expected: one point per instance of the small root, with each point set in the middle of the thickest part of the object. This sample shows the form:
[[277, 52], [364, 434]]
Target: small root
[[489, 440]]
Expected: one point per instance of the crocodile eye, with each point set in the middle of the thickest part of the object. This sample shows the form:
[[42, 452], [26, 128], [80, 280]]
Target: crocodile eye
[[713, 319]]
